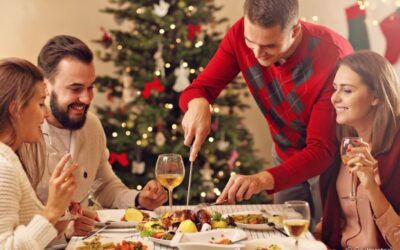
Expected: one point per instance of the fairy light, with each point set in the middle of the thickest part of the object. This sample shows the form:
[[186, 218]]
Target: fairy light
[[138, 92], [198, 44], [185, 64], [216, 110], [144, 136], [161, 31], [178, 40], [201, 69], [174, 126], [211, 139], [138, 142], [238, 164], [119, 47], [221, 173], [315, 18], [233, 173], [150, 129], [173, 138], [140, 11], [191, 8], [157, 73], [172, 26], [114, 134], [203, 194], [123, 124], [139, 187], [128, 69], [167, 65], [375, 22], [303, 19], [128, 133], [217, 191], [169, 106]]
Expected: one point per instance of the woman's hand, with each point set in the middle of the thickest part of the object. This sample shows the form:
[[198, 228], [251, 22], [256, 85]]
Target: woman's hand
[[62, 186], [364, 165]]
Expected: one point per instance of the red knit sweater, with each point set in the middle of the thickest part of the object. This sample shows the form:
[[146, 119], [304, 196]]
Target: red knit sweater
[[294, 97]]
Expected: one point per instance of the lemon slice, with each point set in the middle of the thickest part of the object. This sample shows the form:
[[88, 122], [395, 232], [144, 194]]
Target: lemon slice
[[132, 214], [187, 226]]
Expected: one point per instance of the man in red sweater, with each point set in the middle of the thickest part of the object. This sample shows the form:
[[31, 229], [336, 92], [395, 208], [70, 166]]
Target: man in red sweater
[[288, 66]]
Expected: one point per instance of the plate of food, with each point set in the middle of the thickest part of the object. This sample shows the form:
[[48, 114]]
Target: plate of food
[[214, 239], [109, 243], [163, 229], [283, 243], [123, 218], [256, 220]]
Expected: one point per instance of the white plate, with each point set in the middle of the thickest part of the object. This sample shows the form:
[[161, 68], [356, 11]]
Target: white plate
[[114, 216], [285, 243], [252, 226], [200, 241], [76, 242]]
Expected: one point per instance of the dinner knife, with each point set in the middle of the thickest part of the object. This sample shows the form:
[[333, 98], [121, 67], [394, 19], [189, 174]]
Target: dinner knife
[[190, 181]]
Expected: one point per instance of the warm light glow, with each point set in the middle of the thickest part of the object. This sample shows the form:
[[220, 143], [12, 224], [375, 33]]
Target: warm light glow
[[315, 18], [203, 194], [139, 187], [216, 109], [140, 11], [178, 40], [128, 133], [144, 136], [233, 173], [198, 44], [114, 134], [150, 129], [217, 191], [138, 142], [119, 47], [192, 71], [157, 73], [238, 163], [221, 173], [168, 65], [172, 26], [123, 124], [162, 31], [174, 126], [210, 139], [138, 92], [185, 64]]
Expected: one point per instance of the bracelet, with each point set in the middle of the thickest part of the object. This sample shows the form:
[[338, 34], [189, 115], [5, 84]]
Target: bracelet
[[137, 204]]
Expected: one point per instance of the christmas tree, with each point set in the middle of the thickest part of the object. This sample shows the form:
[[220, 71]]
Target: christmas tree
[[166, 45]]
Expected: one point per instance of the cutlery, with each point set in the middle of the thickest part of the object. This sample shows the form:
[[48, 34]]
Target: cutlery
[[190, 182], [205, 204], [94, 233], [95, 185], [271, 224]]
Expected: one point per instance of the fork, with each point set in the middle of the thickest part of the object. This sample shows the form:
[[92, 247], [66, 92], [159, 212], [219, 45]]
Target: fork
[[93, 187], [94, 233], [271, 224], [205, 204]]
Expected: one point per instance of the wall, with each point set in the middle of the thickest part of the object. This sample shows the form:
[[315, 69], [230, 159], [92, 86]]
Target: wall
[[26, 25]]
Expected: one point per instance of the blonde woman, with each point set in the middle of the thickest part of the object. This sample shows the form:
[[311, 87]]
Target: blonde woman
[[24, 222], [366, 100]]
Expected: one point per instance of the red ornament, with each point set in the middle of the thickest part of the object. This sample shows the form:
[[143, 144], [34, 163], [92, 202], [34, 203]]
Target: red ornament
[[106, 38], [121, 158], [192, 29], [153, 85]]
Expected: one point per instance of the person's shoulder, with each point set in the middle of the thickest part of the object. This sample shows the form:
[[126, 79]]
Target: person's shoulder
[[328, 39], [92, 121], [237, 27]]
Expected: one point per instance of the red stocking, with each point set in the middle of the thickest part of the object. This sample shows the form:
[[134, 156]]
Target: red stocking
[[391, 29]]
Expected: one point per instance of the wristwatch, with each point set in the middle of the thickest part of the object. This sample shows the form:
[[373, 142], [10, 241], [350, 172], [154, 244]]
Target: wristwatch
[[137, 204]]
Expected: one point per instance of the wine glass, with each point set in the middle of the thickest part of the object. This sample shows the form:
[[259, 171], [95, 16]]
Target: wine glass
[[296, 219], [170, 172], [347, 143]]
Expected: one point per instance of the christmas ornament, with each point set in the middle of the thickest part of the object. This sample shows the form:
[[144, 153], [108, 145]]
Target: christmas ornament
[[234, 155], [160, 139], [206, 172], [128, 92], [215, 125], [222, 145], [121, 158], [161, 9], [105, 39], [192, 29], [159, 60], [153, 85], [182, 78], [358, 34], [138, 167], [391, 29]]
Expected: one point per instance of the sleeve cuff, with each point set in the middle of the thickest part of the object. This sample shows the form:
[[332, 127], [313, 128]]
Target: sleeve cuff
[[387, 220], [280, 176], [41, 230]]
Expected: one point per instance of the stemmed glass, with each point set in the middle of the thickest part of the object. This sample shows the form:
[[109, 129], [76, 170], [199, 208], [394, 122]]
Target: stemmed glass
[[347, 143], [170, 172], [296, 219]]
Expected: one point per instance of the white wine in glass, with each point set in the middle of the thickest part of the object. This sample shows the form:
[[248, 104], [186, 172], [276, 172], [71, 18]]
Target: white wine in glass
[[170, 172], [346, 144], [296, 219]]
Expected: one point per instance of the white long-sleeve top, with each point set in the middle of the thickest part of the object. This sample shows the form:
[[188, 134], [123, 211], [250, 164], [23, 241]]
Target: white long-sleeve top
[[21, 225]]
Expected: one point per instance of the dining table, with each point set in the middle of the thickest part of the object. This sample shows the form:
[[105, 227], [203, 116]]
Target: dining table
[[223, 209]]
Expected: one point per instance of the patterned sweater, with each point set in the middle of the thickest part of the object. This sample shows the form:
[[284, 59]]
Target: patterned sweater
[[294, 97], [21, 226]]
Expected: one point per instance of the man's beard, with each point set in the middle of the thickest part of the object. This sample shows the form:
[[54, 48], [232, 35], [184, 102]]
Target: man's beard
[[62, 116]]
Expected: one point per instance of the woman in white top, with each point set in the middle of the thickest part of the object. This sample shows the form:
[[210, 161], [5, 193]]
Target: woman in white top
[[24, 222]]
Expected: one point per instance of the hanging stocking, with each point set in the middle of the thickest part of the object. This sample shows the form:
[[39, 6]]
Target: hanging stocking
[[391, 29], [358, 34]]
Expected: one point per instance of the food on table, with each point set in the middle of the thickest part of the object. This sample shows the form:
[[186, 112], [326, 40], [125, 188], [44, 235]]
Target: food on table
[[96, 244], [257, 219], [133, 214], [270, 247], [184, 220], [187, 226], [221, 242]]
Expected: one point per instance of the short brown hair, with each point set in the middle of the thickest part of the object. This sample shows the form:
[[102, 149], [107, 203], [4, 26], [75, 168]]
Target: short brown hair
[[18, 78], [60, 47], [268, 13], [381, 80]]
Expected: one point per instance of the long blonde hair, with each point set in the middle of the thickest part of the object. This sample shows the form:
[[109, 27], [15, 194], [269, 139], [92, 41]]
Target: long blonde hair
[[381, 79]]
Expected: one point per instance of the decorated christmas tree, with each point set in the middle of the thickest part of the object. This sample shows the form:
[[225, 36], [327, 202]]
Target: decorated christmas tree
[[160, 48]]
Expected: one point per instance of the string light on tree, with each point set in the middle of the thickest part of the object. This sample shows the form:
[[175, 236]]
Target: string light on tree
[[139, 187], [172, 26], [211, 139], [161, 31], [128, 133], [114, 134]]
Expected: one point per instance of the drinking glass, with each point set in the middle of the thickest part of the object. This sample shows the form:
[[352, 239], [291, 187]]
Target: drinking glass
[[296, 219], [170, 172], [350, 142]]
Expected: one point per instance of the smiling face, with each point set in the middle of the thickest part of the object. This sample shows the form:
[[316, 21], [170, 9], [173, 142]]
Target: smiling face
[[31, 116], [269, 44], [71, 93], [352, 100]]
